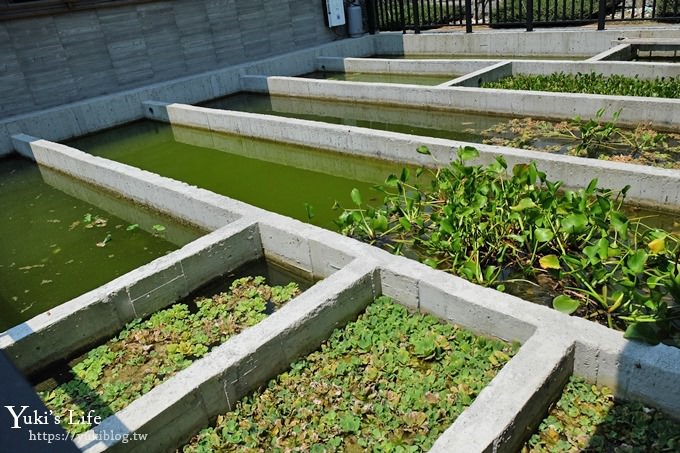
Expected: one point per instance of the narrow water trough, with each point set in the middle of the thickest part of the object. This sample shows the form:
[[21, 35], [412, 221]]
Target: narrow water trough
[[650, 186], [82, 238], [657, 112]]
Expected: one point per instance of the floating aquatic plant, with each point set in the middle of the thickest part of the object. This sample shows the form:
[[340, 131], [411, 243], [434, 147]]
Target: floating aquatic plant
[[389, 381], [486, 224], [148, 352]]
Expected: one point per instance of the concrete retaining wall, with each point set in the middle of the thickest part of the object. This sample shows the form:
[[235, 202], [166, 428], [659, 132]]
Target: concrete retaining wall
[[651, 186], [53, 60], [83, 117], [512, 43]]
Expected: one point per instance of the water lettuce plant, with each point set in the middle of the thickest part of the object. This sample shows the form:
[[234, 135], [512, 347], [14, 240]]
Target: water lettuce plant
[[148, 352], [389, 381], [489, 226], [593, 83], [595, 138], [587, 417]]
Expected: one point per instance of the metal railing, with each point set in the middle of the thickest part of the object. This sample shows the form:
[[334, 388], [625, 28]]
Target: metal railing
[[402, 15]]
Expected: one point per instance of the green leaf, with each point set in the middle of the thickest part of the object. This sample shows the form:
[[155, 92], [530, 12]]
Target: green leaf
[[433, 263], [350, 423], [356, 196], [309, 209], [636, 261], [467, 153], [422, 149], [565, 304], [574, 223], [445, 226], [132, 227], [524, 203], [392, 181], [405, 224], [543, 234], [642, 331], [592, 186], [405, 174], [619, 222], [592, 252], [550, 262], [158, 228], [380, 222]]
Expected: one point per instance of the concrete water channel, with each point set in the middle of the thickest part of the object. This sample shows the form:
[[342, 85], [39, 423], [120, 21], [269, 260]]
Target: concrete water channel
[[350, 274]]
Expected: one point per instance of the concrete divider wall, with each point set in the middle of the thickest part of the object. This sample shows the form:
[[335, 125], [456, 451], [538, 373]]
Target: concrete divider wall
[[657, 112], [619, 52], [509, 43], [180, 200], [652, 186], [392, 66], [631, 69], [488, 74]]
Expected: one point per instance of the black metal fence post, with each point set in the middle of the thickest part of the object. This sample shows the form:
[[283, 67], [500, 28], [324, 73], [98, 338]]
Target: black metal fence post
[[468, 16], [416, 16], [371, 12], [601, 14], [530, 15]]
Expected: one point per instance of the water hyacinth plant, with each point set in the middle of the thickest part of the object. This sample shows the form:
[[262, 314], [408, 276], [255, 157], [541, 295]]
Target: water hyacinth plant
[[593, 83], [488, 224], [148, 352]]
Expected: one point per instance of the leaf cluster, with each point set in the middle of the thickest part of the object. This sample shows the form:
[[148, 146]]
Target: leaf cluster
[[148, 352], [483, 224], [390, 381], [593, 83], [594, 138], [587, 417]]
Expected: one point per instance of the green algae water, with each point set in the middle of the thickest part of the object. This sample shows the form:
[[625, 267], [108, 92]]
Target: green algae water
[[291, 180], [408, 79], [464, 126], [61, 238]]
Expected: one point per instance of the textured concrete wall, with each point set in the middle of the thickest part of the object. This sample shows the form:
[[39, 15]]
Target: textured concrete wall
[[53, 60]]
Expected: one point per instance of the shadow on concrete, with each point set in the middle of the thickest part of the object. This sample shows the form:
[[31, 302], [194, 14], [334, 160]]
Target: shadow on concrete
[[35, 430]]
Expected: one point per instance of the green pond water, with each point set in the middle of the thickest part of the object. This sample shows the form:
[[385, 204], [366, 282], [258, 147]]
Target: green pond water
[[48, 249], [277, 177], [410, 79], [462, 126]]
